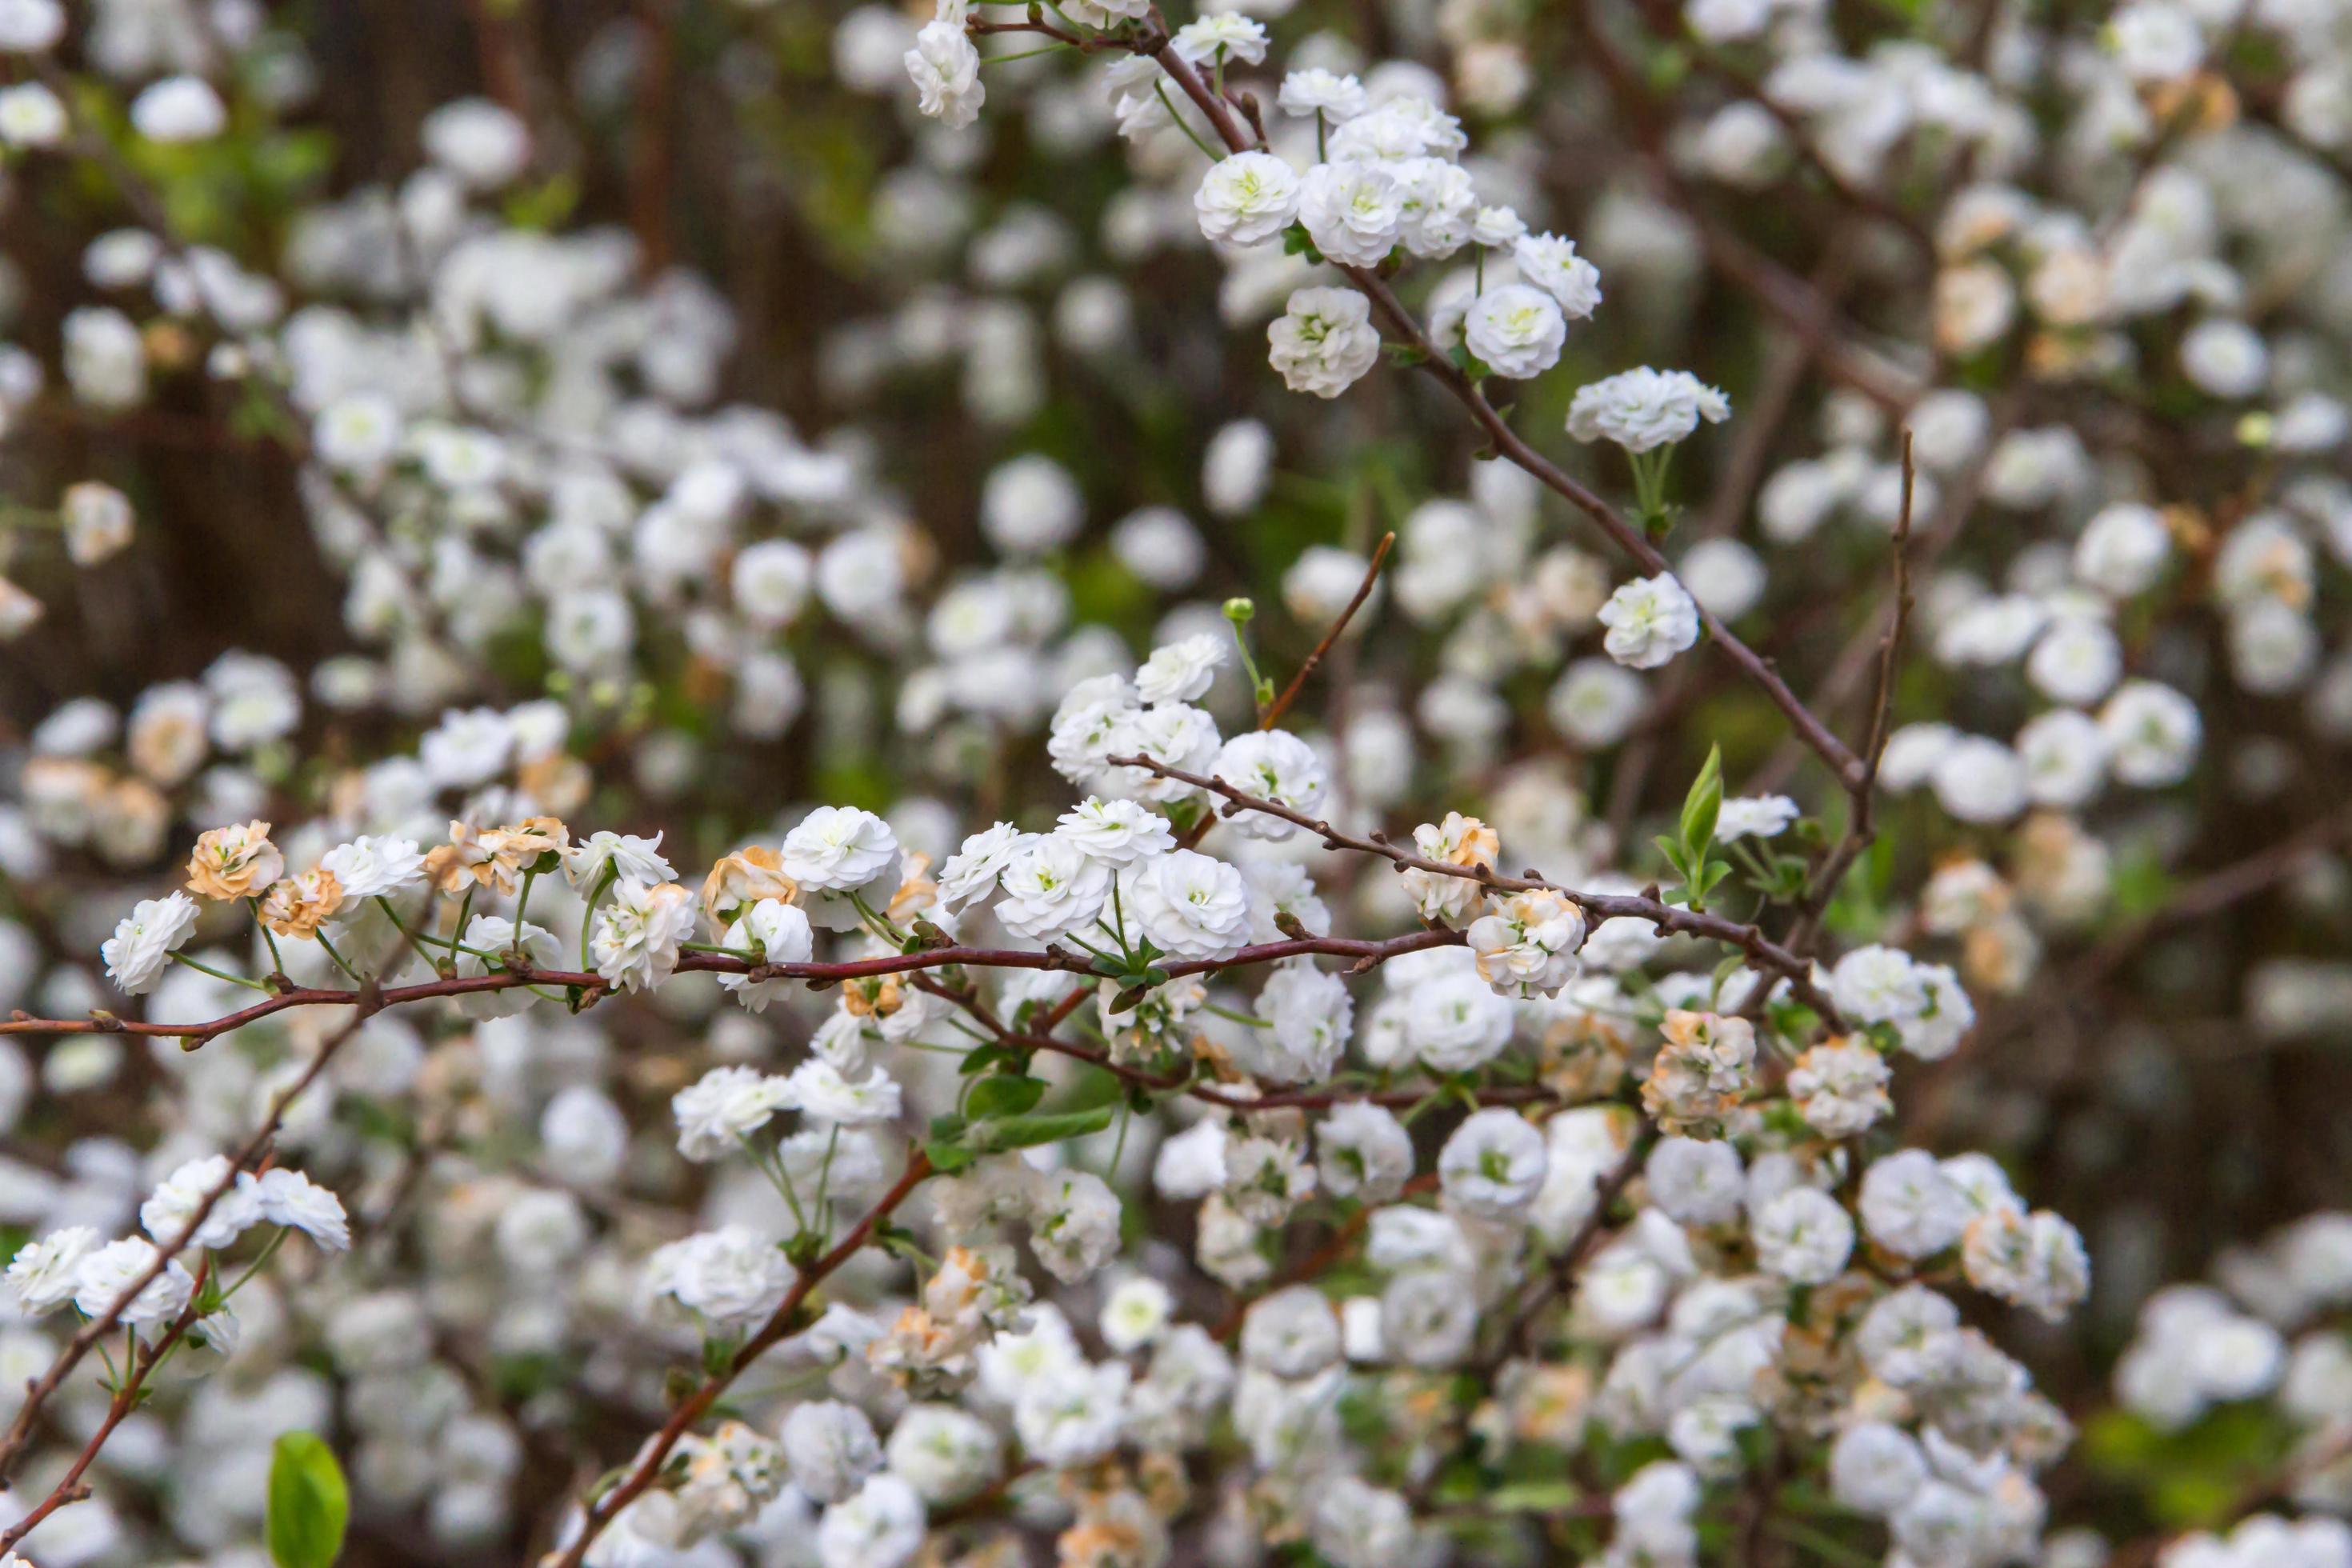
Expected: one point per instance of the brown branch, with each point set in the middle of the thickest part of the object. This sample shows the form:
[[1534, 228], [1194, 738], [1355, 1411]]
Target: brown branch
[[781, 1325], [593, 985], [1669, 919], [1281, 705], [39, 1393], [69, 1488], [1508, 442], [1862, 827]]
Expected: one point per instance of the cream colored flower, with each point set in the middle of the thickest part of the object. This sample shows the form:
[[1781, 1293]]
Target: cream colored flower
[[1459, 841], [235, 862], [1703, 1071], [741, 879], [494, 858], [296, 905]]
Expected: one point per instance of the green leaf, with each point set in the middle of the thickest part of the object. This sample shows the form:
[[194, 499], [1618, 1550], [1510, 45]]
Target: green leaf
[[1025, 1132], [980, 1058], [1534, 1497], [998, 1095], [1701, 805], [309, 1503], [947, 1158]]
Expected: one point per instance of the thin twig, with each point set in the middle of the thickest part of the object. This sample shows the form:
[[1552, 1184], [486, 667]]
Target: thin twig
[[1281, 705], [1669, 918]]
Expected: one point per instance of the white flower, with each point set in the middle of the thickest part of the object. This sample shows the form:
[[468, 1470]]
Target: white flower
[[1516, 331], [1074, 1225], [2122, 551], [370, 868], [1136, 1311], [1979, 780], [104, 1274], [1456, 1023], [1551, 264], [945, 1454], [723, 1109], [496, 935], [1070, 1416], [1427, 1317], [729, 1278], [1354, 212], [780, 933], [1910, 1207], [2155, 41], [1596, 703], [1190, 905], [831, 1448], [2153, 734], [1324, 341], [1183, 671], [1317, 92], [1222, 33], [1363, 1151], [33, 27], [1755, 816], [1273, 766], [839, 849], [636, 936], [483, 143], [1695, 1182], [882, 1526], [1840, 1089], [1291, 1332], [1400, 127], [1875, 1468], [2036, 1260], [1803, 1237], [46, 1274], [1191, 1164], [1052, 888], [623, 854], [970, 873], [945, 68], [824, 1093], [1493, 1164], [138, 952], [178, 109], [291, 1199], [1497, 226], [167, 1214], [1645, 408], [1174, 734], [1440, 205], [1247, 199], [1526, 948], [31, 116], [1310, 1015], [1878, 984], [1117, 832], [2225, 358], [1650, 620]]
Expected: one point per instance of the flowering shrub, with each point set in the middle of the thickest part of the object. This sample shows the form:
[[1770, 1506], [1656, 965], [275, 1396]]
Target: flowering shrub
[[1528, 957]]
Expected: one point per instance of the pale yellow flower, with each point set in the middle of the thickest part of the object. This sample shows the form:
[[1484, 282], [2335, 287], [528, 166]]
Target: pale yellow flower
[[494, 858], [235, 862], [296, 905], [742, 878]]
